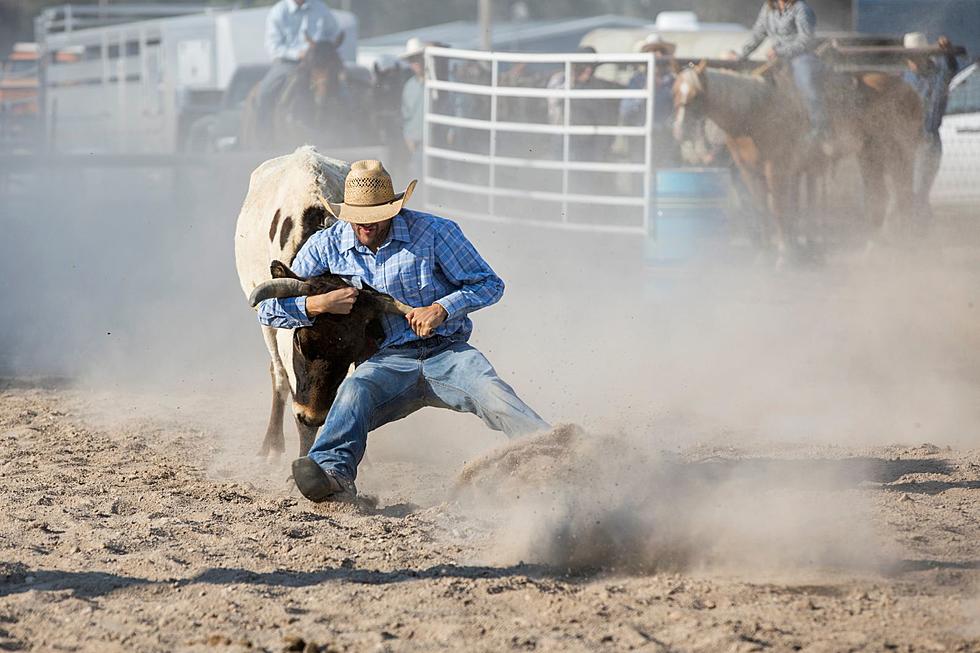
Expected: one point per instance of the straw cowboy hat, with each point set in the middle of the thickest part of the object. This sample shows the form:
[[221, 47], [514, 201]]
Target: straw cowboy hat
[[915, 40], [368, 195]]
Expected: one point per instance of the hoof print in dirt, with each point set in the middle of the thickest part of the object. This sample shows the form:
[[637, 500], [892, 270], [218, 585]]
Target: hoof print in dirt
[[299, 645]]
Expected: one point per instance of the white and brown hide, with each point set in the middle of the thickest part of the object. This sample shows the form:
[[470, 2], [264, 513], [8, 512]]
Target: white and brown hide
[[281, 211]]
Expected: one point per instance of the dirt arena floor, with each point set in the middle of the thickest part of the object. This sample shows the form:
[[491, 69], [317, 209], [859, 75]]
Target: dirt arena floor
[[146, 534]]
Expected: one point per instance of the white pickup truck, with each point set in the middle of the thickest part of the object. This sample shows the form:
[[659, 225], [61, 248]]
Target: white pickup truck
[[958, 181]]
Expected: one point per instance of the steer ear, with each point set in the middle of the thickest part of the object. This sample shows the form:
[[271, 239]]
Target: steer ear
[[280, 270]]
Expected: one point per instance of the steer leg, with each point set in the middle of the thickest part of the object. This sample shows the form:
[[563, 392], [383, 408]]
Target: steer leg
[[274, 443]]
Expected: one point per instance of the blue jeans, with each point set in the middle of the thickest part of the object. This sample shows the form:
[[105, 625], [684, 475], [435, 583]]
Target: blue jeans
[[397, 381], [808, 73], [928, 156]]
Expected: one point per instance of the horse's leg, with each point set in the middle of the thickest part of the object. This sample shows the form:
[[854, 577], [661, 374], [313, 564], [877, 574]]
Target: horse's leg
[[872, 165], [901, 170], [777, 195]]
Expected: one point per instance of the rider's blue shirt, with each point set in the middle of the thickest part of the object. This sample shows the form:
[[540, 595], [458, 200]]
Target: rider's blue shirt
[[425, 260], [288, 24], [933, 87]]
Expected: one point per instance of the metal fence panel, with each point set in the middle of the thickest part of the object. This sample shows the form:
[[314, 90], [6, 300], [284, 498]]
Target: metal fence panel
[[509, 137]]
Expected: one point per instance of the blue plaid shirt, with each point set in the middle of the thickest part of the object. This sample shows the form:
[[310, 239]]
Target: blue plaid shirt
[[425, 260]]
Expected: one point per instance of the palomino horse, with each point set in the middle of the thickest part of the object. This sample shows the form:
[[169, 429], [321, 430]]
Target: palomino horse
[[312, 108], [875, 117]]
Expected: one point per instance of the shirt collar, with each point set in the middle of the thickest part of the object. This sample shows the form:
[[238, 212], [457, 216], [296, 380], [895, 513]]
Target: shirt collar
[[399, 232], [293, 7]]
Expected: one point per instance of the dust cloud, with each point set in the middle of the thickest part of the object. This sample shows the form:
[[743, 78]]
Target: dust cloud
[[123, 280], [581, 502]]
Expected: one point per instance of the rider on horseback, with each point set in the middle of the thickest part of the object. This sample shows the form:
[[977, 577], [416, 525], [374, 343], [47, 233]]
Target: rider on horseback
[[791, 24], [291, 27]]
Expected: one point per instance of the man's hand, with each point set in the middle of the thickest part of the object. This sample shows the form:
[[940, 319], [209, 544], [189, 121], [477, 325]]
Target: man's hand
[[339, 302], [944, 43], [424, 321], [771, 55]]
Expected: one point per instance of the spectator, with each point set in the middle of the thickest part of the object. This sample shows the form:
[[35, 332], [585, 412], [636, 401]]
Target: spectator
[[632, 111], [930, 77], [413, 105]]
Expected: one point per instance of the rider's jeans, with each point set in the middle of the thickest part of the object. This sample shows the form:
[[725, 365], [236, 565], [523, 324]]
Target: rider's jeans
[[270, 88], [928, 156], [807, 73], [397, 381]]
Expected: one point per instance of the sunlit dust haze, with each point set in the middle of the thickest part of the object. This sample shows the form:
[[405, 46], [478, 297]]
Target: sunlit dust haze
[[124, 282]]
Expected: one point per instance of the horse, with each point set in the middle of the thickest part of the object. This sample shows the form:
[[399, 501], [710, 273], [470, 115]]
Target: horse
[[312, 108], [874, 116]]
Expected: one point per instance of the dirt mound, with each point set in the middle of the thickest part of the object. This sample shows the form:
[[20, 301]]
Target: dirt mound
[[581, 501]]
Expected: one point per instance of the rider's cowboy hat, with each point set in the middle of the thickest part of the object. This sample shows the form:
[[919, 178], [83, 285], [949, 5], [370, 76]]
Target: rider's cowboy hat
[[656, 44], [915, 40], [368, 195], [414, 47]]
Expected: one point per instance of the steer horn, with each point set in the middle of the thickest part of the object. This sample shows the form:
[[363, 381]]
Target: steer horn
[[278, 288]]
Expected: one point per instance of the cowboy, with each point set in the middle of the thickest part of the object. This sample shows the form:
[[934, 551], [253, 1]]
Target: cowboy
[[413, 103], [790, 24], [632, 110], [930, 77], [290, 28], [424, 360]]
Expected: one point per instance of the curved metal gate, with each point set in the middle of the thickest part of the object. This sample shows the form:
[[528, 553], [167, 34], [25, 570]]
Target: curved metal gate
[[520, 138]]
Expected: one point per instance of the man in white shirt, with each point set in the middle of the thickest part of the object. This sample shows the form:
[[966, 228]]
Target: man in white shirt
[[290, 28]]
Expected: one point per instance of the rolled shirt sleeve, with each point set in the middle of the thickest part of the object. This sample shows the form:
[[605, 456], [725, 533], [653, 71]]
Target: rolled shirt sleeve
[[290, 312], [463, 266], [759, 32], [286, 313]]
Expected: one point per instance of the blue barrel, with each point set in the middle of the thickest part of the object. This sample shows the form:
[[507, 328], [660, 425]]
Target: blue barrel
[[689, 214]]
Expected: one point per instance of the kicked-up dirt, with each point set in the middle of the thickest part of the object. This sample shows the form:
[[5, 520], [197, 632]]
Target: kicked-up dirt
[[142, 534]]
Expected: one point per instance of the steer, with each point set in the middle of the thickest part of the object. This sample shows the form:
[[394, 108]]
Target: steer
[[283, 208]]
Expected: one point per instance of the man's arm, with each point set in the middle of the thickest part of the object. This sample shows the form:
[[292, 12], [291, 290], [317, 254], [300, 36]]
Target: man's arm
[[806, 23], [463, 266], [275, 35], [290, 312], [759, 33]]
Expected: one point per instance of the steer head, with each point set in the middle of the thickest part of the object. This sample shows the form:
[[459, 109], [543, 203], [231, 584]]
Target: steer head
[[285, 283], [323, 352]]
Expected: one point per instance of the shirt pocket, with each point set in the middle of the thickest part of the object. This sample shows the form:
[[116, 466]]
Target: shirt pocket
[[417, 280]]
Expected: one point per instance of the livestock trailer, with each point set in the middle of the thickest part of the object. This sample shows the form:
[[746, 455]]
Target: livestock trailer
[[140, 75]]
